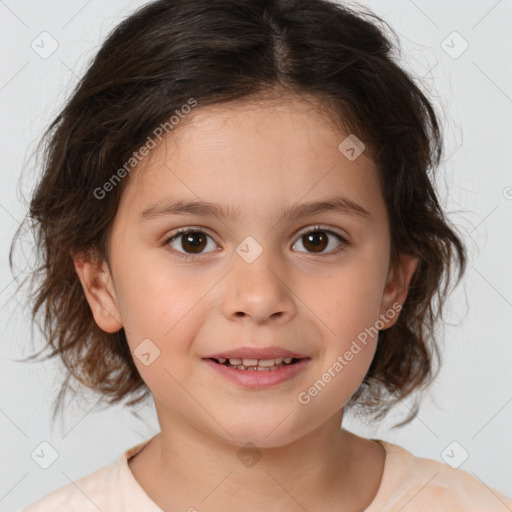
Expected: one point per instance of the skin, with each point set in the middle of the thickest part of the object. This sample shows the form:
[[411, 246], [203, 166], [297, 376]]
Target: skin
[[261, 157]]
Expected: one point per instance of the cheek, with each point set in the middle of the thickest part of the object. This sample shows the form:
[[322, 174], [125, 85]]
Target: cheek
[[155, 294], [350, 342], [158, 310], [350, 296], [339, 378]]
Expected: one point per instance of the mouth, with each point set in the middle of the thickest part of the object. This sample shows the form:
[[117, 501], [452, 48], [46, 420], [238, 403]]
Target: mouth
[[252, 364], [258, 368]]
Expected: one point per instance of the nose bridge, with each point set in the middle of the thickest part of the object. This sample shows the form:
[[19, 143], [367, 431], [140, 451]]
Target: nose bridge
[[257, 286]]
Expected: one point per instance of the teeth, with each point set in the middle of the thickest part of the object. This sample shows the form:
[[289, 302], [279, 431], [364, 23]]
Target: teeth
[[267, 362], [256, 364]]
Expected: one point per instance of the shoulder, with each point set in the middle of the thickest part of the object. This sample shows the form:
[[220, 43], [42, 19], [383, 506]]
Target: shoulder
[[425, 485], [108, 488], [87, 494]]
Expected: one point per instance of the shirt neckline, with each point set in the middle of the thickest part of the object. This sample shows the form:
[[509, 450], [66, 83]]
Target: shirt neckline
[[139, 497], [134, 497], [388, 479]]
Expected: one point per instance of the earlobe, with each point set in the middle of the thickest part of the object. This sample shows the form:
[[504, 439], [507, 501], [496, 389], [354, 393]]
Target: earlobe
[[397, 286], [96, 282]]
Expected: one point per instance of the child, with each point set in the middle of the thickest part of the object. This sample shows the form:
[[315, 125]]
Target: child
[[283, 143]]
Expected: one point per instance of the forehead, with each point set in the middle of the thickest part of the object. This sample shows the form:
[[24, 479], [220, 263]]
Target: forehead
[[280, 148]]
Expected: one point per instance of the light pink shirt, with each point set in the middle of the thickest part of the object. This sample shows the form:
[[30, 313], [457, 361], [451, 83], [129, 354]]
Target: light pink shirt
[[409, 484]]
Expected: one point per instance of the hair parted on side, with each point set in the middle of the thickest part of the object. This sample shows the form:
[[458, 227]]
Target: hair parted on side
[[220, 51]]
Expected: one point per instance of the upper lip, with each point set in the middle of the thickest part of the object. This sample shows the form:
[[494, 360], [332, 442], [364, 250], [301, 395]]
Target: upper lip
[[256, 353]]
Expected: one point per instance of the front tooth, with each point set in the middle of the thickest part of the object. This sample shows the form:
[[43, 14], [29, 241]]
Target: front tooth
[[235, 362], [267, 362], [250, 362], [288, 360]]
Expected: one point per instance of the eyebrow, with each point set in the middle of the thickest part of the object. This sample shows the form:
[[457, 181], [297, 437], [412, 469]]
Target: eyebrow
[[337, 204]]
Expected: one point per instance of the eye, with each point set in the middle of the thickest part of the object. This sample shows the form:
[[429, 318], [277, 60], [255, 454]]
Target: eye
[[193, 241], [190, 242], [316, 240]]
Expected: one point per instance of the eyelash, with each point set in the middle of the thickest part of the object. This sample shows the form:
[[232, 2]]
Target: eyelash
[[314, 229]]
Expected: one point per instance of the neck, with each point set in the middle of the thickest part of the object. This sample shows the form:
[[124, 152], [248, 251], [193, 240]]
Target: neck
[[184, 466]]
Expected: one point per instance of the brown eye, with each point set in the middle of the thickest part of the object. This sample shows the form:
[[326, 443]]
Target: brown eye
[[193, 242], [190, 242], [318, 240]]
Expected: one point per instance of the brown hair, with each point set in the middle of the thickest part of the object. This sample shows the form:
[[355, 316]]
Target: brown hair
[[217, 51]]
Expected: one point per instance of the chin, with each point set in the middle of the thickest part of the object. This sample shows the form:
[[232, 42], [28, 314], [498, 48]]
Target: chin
[[273, 433]]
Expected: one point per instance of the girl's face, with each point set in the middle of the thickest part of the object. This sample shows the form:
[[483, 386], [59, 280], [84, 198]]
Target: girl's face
[[258, 270]]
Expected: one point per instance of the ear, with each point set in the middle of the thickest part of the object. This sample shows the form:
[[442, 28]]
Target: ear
[[396, 288], [97, 284]]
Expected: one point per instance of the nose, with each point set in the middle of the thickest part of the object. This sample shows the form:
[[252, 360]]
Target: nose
[[260, 290]]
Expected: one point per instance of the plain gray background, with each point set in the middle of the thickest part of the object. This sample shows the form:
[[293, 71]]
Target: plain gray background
[[471, 401]]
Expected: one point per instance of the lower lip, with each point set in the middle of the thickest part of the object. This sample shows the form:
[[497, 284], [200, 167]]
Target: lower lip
[[256, 379]]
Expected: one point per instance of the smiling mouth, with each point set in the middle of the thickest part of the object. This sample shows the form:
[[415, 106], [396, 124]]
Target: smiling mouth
[[257, 364]]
